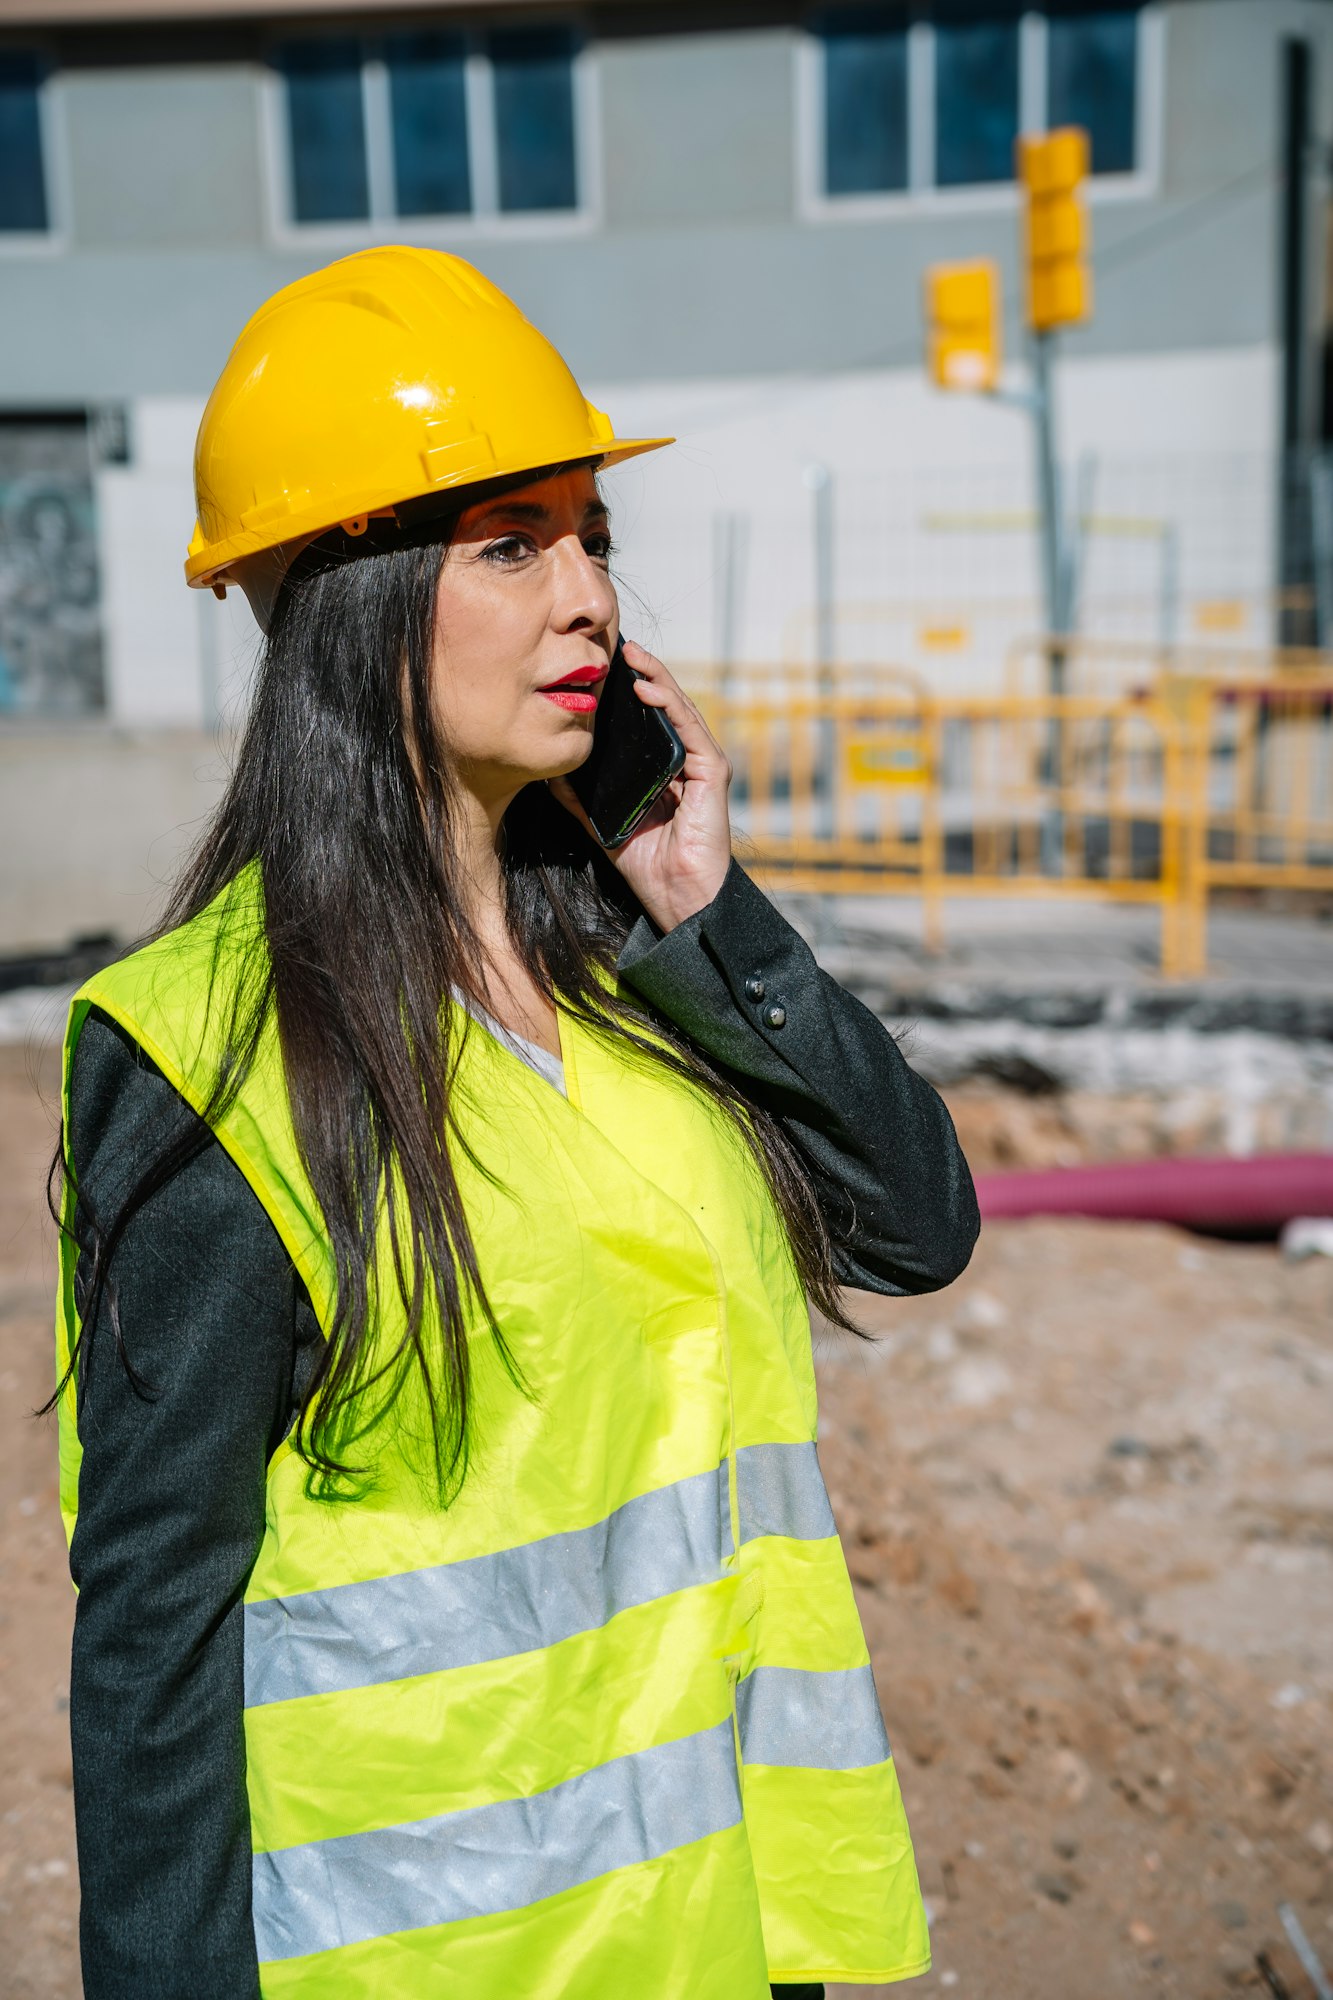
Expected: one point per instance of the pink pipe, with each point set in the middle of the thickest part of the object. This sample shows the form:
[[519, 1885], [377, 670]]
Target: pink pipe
[[1257, 1195]]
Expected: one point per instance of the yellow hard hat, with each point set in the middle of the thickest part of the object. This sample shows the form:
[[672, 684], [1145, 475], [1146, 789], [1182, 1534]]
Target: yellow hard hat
[[390, 375]]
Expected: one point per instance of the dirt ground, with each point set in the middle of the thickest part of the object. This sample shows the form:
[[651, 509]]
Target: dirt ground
[[1087, 1496]]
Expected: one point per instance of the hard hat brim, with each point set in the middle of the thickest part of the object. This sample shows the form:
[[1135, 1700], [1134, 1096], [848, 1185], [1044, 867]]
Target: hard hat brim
[[208, 564]]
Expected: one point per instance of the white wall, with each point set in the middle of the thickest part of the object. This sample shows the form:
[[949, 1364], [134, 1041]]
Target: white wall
[[154, 661], [175, 657], [932, 514], [1178, 439]]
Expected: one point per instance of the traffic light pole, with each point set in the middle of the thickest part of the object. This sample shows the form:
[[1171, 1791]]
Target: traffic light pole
[[1053, 569], [1053, 536], [962, 304], [1055, 578]]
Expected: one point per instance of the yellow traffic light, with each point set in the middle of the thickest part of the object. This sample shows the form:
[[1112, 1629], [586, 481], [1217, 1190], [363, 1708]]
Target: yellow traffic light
[[1052, 169], [963, 325]]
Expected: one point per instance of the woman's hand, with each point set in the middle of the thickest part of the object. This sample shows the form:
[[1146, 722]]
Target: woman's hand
[[677, 859]]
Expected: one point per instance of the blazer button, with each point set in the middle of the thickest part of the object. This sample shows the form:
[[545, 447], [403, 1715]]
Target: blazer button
[[755, 988], [775, 1016]]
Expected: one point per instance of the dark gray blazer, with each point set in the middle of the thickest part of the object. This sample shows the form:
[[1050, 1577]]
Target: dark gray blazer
[[171, 1495]]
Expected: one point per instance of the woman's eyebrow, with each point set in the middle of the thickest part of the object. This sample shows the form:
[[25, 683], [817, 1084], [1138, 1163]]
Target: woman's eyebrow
[[535, 515], [517, 510]]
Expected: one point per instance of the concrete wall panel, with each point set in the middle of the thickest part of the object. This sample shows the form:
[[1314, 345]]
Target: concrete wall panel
[[93, 825], [701, 266], [697, 128], [677, 302], [163, 157]]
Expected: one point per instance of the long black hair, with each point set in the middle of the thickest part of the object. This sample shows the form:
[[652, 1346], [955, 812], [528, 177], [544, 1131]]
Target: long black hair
[[343, 794]]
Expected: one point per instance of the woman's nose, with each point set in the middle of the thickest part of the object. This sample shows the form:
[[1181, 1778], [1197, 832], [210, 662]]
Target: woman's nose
[[585, 598]]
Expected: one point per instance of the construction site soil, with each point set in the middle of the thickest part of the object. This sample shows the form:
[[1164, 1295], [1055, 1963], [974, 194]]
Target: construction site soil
[[1087, 1499]]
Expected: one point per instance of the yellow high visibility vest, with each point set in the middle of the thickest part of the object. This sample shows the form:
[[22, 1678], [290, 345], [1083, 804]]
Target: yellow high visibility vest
[[603, 1728]]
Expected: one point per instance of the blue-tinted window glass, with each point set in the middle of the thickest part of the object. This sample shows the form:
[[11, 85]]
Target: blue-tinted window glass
[[534, 117], [1093, 82], [976, 101], [865, 103], [22, 180], [327, 128], [429, 108]]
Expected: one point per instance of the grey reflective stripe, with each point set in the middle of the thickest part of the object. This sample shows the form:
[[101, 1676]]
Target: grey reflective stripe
[[496, 1857], [488, 1607], [781, 1491], [824, 1722]]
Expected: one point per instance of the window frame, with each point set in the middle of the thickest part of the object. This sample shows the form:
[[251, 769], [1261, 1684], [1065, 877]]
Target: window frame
[[51, 136], [923, 195], [384, 224]]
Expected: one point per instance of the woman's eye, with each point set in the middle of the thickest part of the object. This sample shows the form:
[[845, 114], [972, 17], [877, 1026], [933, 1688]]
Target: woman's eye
[[508, 550], [599, 547]]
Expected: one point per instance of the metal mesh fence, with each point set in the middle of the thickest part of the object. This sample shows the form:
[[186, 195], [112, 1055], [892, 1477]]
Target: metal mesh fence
[[935, 569]]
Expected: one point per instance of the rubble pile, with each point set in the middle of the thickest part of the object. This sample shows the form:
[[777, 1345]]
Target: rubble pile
[[1087, 1501]]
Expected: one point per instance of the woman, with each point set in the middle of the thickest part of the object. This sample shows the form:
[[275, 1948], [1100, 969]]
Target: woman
[[460, 1608]]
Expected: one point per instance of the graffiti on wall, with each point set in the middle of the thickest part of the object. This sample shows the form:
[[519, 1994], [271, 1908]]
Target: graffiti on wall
[[50, 628]]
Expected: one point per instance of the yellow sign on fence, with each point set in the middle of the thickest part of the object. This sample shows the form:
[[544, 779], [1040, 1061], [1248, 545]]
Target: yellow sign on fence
[[1221, 614], [901, 758], [942, 638]]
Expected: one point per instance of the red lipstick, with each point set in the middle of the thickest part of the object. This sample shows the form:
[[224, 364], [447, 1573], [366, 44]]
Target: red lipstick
[[574, 690]]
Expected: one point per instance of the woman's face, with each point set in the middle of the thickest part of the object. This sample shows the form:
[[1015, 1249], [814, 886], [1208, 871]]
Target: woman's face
[[526, 621]]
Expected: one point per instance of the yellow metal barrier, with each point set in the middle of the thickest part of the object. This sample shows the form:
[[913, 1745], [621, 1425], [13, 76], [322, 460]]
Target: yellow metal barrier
[[945, 629], [1153, 801], [1263, 807], [1119, 669], [748, 681]]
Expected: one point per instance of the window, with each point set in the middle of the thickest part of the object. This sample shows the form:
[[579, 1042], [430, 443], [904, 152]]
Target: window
[[865, 119], [431, 124], [534, 118], [1092, 81], [895, 105], [428, 116], [328, 131], [976, 102], [23, 203]]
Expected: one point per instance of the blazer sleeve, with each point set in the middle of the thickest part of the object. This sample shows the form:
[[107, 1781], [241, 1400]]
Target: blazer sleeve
[[880, 1147], [218, 1331]]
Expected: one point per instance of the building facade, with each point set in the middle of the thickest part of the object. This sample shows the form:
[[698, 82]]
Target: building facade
[[723, 216]]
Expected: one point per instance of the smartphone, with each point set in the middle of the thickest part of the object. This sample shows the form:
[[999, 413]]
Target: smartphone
[[635, 755]]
